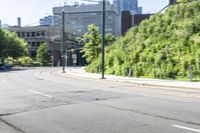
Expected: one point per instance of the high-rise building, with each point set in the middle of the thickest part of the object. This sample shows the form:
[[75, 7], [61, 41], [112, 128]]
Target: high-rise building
[[48, 20], [128, 5], [78, 17], [19, 21]]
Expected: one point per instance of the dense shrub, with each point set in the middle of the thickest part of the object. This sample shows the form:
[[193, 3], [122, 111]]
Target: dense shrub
[[25, 61], [164, 46]]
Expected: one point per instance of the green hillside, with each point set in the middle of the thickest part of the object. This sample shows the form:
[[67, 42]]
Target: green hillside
[[164, 47]]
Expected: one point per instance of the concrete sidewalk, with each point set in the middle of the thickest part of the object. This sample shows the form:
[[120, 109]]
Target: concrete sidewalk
[[80, 72]]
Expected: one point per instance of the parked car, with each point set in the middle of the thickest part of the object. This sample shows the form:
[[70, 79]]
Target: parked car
[[5, 66]]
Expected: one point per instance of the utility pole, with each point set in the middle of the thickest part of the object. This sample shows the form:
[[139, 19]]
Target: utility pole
[[103, 34], [63, 39], [103, 39]]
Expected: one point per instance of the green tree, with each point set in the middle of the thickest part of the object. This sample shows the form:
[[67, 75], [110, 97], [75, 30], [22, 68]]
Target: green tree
[[43, 55], [91, 42], [92, 45], [109, 39], [11, 45]]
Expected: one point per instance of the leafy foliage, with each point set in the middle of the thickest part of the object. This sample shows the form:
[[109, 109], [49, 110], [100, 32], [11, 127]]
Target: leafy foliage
[[25, 61], [92, 46], [92, 43], [43, 56], [164, 46], [11, 45], [9, 60]]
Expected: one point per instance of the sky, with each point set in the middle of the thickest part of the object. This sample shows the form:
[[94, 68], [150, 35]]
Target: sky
[[31, 11]]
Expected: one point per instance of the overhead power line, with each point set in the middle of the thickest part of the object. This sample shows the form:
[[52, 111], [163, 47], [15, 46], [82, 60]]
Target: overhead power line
[[171, 2]]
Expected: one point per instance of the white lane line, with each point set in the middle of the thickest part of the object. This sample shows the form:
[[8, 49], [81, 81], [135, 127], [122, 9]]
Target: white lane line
[[4, 81], [187, 128], [39, 93]]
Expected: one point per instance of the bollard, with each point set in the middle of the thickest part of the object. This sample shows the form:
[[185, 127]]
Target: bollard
[[129, 72], [58, 63], [191, 74], [99, 69]]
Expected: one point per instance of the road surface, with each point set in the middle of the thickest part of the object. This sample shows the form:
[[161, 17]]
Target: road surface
[[40, 100]]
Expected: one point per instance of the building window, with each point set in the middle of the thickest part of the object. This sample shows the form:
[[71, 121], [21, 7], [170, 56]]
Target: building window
[[33, 44], [23, 34], [38, 33], [38, 44], [42, 33], [33, 34], [28, 34]]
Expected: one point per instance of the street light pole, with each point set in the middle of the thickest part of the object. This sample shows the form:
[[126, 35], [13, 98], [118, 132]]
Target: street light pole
[[63, 39], [103, 34], [103, 39]]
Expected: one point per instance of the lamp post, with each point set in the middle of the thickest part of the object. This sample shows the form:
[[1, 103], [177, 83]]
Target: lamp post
[[103, 39], [63, 39], [103, 35]]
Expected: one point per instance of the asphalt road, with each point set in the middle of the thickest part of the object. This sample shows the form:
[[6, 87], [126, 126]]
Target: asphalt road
[[40, 100]]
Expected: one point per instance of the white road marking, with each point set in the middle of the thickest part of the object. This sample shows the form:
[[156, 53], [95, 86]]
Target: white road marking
[[39, 93], [4, 81], [187, 128]]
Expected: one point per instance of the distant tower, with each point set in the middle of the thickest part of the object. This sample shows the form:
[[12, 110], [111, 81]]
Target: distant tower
[[19, 21], [128, 5], [48, 20]]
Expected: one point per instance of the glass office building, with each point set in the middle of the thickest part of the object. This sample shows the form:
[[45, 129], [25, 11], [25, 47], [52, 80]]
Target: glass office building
[[128, 5], [48, 20], [78, 17]]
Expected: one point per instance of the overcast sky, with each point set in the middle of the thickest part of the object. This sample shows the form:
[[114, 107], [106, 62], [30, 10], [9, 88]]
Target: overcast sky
[[32, 10]]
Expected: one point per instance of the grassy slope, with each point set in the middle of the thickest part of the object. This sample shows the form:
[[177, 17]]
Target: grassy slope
[[162, 47]]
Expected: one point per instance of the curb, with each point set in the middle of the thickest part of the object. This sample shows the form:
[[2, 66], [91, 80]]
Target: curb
[[130, 82]]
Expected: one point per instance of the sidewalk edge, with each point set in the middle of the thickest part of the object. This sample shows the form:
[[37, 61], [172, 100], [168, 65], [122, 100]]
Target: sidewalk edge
[[123, 81]]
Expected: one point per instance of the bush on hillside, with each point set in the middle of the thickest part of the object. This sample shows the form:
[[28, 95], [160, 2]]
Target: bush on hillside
[[163, 47]]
